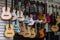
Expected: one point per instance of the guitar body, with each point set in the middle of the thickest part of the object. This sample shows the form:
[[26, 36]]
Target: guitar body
[[23, 30], [16, 26], [33, 33], [21, 17], [6, 15], [28, 32], [9, 32], [54, 28], [42, 33], [14, 16]]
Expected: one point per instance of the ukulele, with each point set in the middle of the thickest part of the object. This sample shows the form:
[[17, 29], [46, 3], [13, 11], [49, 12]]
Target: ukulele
[[6, 15], [9, 32]]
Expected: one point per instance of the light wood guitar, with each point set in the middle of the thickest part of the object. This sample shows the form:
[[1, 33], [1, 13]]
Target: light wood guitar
[[33, 30], [28, 28], [28, 32], [23, 29], [55, 28], [9, 30], [21, 11], [33, 33], [6, 15]]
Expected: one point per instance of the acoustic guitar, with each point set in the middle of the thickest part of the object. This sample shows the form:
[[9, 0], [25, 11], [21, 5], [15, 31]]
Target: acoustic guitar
[[9, 32], [33, 33], [16, 24], [28, 29], [6, 15], [33, 30], [42, 33], [13, 11], [22, 28], [21, 11], [14, 16], [28, 32], [41, 30], [55, 27]]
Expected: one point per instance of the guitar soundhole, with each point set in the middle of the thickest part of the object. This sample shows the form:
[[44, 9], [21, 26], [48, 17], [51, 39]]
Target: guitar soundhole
[[26, 33], [12, 16], [55, 28], [19, 17], [6, 15], [32, 34], [9, 33], [9, 28]]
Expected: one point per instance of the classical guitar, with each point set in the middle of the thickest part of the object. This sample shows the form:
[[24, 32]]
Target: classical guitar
[[22, 28], [33, 31], [27, 32], [6, 15], [13, 11], [21, 10], [9, 32], [55, 27], [41, 30], [16, 24], [41, 33]]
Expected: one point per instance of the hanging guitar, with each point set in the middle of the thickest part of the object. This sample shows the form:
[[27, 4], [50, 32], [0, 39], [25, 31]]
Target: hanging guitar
[[33, 30], [40, 18], [16, 24], [21, 11], [6, 15], [9, 32], [54, 27], [13, 11], [27, 32]]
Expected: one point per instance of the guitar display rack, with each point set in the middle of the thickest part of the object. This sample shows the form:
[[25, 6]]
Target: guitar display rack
[[35, 7]]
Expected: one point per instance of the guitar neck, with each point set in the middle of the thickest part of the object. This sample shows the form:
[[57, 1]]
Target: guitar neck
[[6, 4], [19, 8]]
